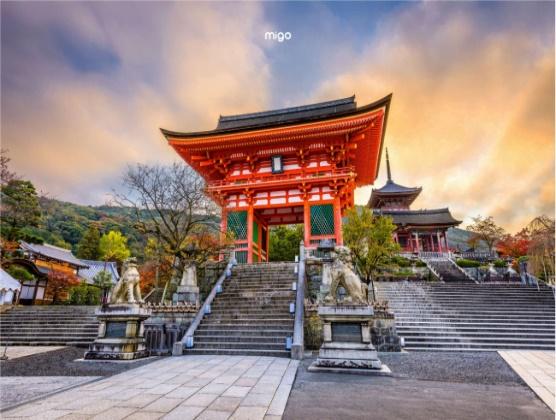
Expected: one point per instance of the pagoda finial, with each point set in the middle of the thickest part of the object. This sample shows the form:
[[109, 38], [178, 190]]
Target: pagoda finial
[[388, 166]]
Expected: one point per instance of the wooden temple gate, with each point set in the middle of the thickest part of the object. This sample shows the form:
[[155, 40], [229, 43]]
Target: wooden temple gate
[[289, 166]]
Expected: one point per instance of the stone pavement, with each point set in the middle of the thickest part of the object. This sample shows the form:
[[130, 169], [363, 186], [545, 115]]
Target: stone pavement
[[536, 368], [188, 387], [14, 352]]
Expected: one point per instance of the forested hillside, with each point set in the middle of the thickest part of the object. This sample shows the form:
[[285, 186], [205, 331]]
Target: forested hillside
[[63, 224]]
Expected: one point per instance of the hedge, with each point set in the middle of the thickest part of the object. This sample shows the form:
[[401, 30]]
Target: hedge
[[468, 263]]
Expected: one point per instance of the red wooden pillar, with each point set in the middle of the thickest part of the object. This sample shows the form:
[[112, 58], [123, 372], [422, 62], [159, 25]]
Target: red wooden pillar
[[338, 221], [268, 243], [306, 223], [223, 228], [250, 220]]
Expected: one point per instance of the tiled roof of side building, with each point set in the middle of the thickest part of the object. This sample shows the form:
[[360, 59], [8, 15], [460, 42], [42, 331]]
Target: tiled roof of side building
[[53, 252], [420, 217], [96, 267]]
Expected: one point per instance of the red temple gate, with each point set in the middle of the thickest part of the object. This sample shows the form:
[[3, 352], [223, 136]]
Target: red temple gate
[[288, 166]]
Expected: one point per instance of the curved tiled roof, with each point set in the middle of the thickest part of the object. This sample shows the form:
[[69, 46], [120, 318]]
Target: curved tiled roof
[[294, 115], [97, 266], [53, 252], [420, 217]]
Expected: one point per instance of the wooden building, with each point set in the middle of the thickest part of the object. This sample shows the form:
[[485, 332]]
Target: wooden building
[[287, 166], [417, 230]]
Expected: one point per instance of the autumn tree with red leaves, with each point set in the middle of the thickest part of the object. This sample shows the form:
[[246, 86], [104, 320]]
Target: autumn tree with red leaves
[[514, 246], [58, 284]]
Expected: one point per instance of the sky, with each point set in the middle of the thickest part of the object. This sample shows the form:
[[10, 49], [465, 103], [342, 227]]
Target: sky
[[85, 87]]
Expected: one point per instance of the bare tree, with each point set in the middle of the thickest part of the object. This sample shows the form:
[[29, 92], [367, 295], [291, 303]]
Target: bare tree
[[541, 248], [485, 229], [170, 205]]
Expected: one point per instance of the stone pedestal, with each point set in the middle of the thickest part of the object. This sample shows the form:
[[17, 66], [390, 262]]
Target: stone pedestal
[[347, 339], [120, 333], [188, 291]]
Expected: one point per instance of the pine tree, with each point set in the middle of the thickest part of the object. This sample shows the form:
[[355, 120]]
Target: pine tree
[[88, 247]]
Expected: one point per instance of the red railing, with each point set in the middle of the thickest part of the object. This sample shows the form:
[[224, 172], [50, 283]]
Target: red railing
[[281, 179]]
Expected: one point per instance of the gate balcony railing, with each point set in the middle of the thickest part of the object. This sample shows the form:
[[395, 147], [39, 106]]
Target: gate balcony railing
[[281, 179]]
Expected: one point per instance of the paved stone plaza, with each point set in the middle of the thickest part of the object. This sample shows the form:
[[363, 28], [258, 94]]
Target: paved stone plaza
[[15, 352], [536, 368], [423, 385], [201, 387]]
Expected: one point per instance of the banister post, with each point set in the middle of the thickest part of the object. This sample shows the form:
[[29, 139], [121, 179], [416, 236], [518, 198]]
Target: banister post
[[298, 347]]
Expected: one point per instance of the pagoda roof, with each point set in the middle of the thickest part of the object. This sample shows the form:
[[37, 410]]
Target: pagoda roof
[[286, 116], [392, 188], [392, 191], [427, 217]]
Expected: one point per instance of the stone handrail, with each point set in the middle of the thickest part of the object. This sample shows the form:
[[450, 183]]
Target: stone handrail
[[298, 334], [187, 340]]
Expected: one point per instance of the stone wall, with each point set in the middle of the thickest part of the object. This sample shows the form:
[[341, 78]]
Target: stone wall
[[167, 325]]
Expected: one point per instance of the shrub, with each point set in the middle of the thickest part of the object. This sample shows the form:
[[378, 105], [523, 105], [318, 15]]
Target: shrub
[[500, 264], [19, 273], [467, 263], [401, 261], [420, 263], [84, 294]]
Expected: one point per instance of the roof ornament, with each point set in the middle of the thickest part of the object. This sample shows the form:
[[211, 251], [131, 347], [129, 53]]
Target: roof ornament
[[388, 166]]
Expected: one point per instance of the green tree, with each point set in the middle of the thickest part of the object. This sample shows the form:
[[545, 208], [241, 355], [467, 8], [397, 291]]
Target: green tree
[[88, 247], [370, 242], [284, 242], [113, 247], [20, 208]]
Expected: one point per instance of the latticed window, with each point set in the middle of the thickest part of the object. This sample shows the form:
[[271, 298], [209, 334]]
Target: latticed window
[[322, 219], [237, 224], [241, 257]]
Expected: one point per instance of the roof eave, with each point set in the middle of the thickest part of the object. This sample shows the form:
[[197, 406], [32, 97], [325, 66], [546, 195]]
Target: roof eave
[[383, 102]]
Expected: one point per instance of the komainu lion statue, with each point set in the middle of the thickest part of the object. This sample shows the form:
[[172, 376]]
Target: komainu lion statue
[[343, 275], [127, 289]]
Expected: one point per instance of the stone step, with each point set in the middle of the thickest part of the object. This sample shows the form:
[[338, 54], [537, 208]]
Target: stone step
[[274, 339], [474, 334], [240, 352], [238, 332], [253, 326], [462, 324], [259, 321], [240, 345], [409, 344]]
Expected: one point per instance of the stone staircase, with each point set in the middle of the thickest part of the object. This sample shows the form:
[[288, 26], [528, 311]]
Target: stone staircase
[[251, 315], [48, 325], [447, 270], [469, 316]]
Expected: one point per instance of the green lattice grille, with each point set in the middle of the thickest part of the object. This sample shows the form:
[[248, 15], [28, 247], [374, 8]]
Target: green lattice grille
[[237, 224], [255, 232], [241, 257], [322, 219]]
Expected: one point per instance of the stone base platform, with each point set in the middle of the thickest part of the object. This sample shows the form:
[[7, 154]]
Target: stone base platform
[[383, 371]]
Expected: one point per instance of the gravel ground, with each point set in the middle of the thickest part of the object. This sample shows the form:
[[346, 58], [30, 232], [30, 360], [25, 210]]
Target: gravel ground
[[487, 368], [423, 386], [17, 389], [62, 363]]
